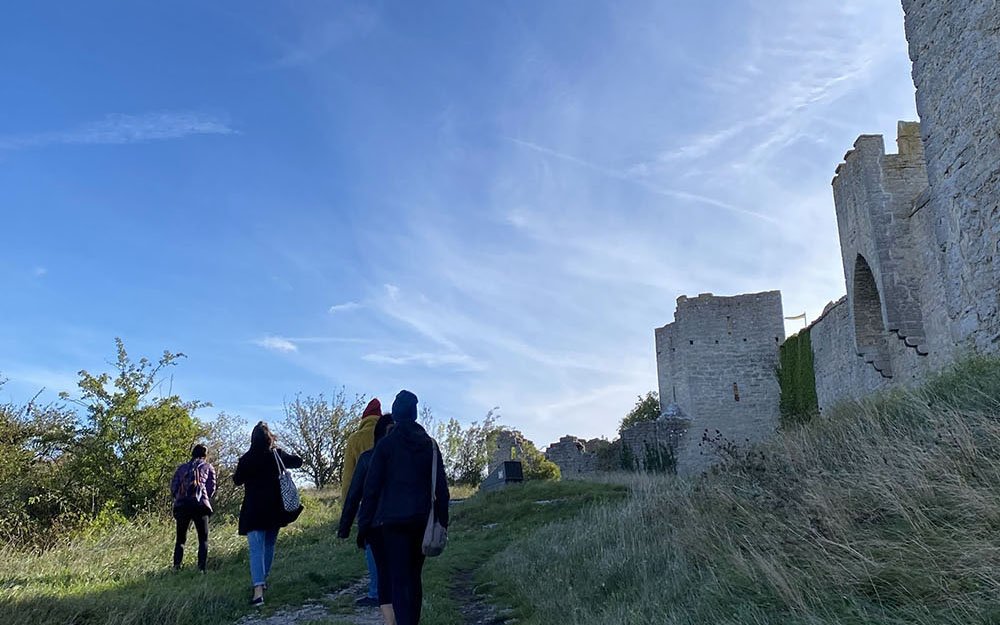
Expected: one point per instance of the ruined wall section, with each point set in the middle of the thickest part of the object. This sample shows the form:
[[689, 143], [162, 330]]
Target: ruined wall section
[[874, 193], [572, 457], [839, 372], [955, 47], [717, 362]]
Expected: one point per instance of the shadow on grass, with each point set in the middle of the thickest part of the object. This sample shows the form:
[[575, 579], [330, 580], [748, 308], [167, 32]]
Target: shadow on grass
[[309, 562]]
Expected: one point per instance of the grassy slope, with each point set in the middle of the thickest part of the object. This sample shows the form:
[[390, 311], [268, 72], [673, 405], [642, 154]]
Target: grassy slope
[[484, 525], [887, 511], [124, 577]]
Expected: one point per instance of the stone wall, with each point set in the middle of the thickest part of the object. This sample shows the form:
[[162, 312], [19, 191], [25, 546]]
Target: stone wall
[[572, 457], [716, 363], [955, 47], [669, 434], [919, 234], [840, 372]]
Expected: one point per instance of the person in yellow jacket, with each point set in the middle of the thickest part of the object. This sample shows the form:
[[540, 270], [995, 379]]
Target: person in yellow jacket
[[358, 443]]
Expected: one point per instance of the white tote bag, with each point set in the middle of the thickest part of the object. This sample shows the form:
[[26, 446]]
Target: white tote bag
[[435, 534]]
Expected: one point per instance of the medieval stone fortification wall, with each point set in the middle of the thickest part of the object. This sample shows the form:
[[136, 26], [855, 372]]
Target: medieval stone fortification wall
[[955, 49], [919, 235], [919, 230], [716, 364]]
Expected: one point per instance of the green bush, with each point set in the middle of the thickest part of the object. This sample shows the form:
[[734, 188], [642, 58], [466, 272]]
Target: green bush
[[797, 379]]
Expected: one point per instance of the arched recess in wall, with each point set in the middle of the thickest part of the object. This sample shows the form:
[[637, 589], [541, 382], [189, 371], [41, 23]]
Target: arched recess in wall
[[869, 330]]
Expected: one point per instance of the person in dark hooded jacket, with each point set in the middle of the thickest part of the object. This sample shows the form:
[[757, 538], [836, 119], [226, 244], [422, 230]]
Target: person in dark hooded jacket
[[262, 513], [372, 543], [397, 500]]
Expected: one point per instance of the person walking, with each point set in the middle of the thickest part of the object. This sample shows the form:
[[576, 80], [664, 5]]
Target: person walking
[[397, 501], [192, 488], [360, 441], [262, 513], [373, 541]]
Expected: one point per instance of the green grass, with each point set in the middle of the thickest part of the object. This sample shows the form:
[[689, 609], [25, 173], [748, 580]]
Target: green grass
[[124, 577], [883, 512], [489, 522]]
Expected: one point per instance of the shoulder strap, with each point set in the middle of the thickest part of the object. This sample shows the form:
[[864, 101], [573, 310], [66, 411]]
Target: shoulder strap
[[277, 458], [434, 473]]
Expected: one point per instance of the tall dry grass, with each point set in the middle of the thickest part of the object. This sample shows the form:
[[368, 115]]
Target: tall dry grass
[[884, 511]]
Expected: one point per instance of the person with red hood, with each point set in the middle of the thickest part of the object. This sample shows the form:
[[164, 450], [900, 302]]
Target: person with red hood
[[358, 443]]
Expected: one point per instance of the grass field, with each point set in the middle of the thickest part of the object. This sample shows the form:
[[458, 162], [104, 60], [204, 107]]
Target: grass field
[[884, 512], [124, 577]]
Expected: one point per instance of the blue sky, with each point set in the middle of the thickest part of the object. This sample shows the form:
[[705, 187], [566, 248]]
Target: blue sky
[[488, 203]]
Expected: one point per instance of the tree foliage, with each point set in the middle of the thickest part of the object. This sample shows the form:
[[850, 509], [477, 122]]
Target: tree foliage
[[647, 408], [66, 469], [227, 437], [317, 429], [134, 435], [464, 450]]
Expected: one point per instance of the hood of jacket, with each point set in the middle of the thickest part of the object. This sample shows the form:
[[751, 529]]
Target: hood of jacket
[[412, 435]]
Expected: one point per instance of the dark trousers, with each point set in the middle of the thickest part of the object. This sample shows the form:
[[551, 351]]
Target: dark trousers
[[184, 519], [405, 561], [384, 581]]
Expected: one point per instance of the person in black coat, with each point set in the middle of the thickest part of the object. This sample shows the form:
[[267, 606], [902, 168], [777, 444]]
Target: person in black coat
[[262, 512], [372, 543], [397, 501]]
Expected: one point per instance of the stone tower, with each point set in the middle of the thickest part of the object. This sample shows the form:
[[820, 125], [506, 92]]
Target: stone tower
[[716, 366]]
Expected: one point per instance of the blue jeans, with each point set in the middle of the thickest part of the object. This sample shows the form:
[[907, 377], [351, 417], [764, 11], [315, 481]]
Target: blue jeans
[[261, 544], [372, 573]]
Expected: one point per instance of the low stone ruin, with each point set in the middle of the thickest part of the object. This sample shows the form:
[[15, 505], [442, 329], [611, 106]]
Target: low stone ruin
[[572, 457]]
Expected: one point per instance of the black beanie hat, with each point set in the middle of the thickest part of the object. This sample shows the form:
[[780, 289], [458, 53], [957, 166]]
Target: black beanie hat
[[404, 407]]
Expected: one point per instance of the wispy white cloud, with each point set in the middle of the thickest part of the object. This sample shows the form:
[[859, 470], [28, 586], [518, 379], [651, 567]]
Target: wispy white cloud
[[458, 362], [319, 38], [344, 307], [625, 176], [293, 343], [277, 344], [118, 129]]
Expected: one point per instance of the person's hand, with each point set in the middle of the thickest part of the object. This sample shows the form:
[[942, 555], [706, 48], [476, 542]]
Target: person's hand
[[361, 539]]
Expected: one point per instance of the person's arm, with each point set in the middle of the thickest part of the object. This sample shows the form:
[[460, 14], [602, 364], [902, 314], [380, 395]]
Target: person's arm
[[210, 481], [347, 473], [239, 475], [291, 461], [373, 489], [442, 495], [353, 500], [175, 483]]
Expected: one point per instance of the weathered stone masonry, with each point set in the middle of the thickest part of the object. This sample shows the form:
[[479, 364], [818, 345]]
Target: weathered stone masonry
[[919, 234], [716, 366], [919, 230]]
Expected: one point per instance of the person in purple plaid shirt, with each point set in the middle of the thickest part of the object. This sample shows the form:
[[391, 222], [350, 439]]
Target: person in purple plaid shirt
[[192, 489]]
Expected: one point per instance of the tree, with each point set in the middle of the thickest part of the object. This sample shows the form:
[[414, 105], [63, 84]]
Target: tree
[[34, 441], [646, 409], [132, 441], [227, 437], [316, 430], [464, 450]]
